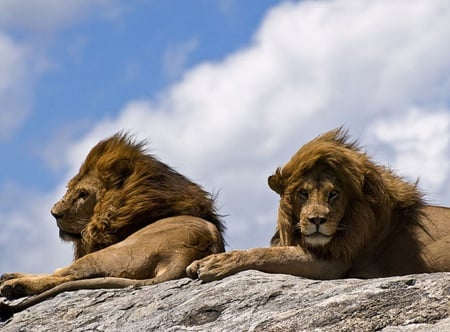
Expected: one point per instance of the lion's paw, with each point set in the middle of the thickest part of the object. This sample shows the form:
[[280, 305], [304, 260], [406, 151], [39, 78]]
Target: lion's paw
[[213, 267], [191, 269], [12, 290]]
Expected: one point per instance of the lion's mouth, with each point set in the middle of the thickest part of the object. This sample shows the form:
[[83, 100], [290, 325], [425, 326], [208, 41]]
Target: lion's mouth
[[317, 238]]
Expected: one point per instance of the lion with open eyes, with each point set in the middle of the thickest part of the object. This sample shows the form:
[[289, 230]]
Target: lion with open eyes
[[341, 215], [133, 220]]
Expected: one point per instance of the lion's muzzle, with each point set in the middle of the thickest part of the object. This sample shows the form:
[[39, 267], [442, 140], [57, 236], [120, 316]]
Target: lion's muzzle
[[56, 214]]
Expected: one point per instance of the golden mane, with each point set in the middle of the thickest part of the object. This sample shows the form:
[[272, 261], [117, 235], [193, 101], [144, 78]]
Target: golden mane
[[380, 199], [139, 190]]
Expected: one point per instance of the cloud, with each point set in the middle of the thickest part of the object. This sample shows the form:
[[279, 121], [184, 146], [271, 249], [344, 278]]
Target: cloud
[[312, 66], [49, 16], [420, 135], [175, 57], [14, 86], [29, 239], [22, 62]]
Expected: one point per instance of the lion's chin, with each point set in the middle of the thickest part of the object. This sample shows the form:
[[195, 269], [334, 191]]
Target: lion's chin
[[65, 236], [317, 239]]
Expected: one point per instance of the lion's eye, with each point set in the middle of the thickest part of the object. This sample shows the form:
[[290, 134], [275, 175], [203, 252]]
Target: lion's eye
[[333, 195], [303, 193]]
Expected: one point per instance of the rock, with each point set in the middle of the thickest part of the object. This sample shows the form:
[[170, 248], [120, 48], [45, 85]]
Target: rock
[[250, 301]]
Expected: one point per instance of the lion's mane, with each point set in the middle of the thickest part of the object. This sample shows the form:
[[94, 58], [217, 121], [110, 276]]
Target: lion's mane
[[379, 200], [138, 190]]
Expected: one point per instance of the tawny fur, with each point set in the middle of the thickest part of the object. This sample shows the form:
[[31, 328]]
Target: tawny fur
[[342, 215], [379, 199], [133, 221], [137, 190]]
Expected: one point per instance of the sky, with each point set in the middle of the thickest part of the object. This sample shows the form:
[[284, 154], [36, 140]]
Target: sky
[[225, 92]]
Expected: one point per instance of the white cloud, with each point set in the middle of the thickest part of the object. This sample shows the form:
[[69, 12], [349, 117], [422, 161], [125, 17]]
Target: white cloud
[[14, 86], [313, 66], [29, 239], [420, 141]]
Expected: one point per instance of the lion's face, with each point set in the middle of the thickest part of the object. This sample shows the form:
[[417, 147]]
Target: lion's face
[[318, 203], [74, 211]]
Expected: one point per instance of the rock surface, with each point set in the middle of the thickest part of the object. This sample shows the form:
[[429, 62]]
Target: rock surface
[[250, 301]]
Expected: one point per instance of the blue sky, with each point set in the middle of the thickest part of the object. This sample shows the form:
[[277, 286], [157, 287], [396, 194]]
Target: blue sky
[[98, 63], [225, 91]]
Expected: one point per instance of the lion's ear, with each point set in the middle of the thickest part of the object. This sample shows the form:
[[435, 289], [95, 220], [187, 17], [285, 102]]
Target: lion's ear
[[116, 172], [276, 182]]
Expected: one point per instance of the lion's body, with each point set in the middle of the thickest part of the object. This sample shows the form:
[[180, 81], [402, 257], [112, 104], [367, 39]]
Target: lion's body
[[422, 248], [130, 189], [341, 215], [132, 219]]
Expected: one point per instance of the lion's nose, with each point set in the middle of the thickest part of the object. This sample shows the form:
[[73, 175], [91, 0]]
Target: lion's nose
[[56, 214], [317, 220]]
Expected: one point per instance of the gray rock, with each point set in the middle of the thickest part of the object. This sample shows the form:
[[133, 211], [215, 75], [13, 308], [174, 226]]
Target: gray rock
[[251, 301]]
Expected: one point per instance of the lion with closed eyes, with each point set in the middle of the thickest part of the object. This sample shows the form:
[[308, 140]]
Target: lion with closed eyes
[[133, 221], [341, 215]]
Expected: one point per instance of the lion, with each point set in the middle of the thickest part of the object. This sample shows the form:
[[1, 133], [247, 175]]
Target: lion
[[133, 221], [341, 215]]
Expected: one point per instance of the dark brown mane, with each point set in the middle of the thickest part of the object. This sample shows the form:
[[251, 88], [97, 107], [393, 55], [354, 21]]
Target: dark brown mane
[[140, 190], [380, 200]]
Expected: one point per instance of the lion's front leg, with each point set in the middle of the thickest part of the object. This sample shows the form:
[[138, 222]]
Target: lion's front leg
[[29, 285], [15, 275], [286, 260]]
